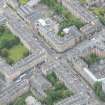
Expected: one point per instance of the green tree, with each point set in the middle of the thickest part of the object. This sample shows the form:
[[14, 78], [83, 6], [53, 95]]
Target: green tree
[[26, 53], [98, 91], [10, 61], [4, 52], [2, 30]]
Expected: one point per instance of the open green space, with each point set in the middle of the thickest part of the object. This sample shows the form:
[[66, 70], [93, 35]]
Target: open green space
[[68, 18], [57, 92], [92, 58], [98, 91], [10, 46], [17, 52], [23, 2], [100, 12], [21, 100]]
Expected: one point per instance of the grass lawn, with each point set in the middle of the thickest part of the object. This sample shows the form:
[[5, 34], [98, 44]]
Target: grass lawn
[[6, 36], [17, 52], [23, 2], [57, 92]]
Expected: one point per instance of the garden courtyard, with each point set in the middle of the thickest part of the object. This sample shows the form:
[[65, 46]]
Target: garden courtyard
[[67, 18], [11, 49], [57, 92]]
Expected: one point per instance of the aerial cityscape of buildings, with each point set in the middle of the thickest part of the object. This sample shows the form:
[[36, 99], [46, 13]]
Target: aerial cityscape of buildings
[[52, 52]]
